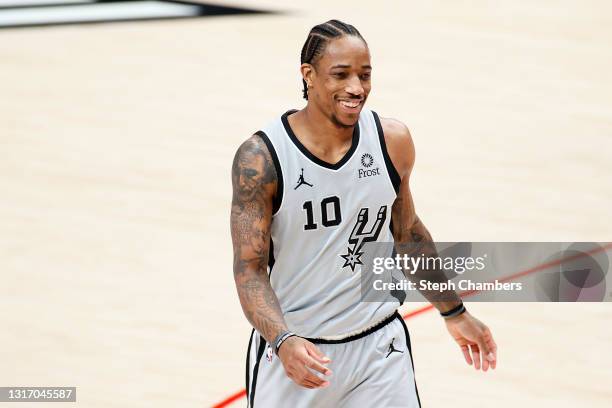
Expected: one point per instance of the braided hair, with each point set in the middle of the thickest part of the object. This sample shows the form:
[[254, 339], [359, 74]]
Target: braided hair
[[318, 38]]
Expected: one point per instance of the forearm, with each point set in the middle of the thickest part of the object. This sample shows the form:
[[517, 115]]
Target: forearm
[[254, 183], [416, 241], [260, 304]]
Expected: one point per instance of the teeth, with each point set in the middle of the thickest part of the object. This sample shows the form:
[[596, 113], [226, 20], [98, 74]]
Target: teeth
[[350, 104]]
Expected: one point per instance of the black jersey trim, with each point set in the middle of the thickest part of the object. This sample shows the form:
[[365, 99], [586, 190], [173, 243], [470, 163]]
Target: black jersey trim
[[248, 361], [411, 359], [354, 337], [280, 185], [271, 259], [393, 174], [312, 157], [260, 352]]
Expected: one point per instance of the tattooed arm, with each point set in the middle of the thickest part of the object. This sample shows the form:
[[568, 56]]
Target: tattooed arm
[[412, 238], [410, 235], [254, 182], [254, 185]]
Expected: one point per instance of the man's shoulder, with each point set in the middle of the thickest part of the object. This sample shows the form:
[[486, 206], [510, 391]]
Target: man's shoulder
[[253, 157], [399, 143], [254, 144], [395, 130]]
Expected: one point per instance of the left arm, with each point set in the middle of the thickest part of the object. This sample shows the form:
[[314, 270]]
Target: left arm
[[411, 236]]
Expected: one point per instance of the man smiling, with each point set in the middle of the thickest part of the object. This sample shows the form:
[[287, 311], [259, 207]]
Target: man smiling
[[309, 190]]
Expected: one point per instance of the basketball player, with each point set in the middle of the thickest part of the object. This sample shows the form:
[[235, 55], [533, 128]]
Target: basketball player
[[308, 190]]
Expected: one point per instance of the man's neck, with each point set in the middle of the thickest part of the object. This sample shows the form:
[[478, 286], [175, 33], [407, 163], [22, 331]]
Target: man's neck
[[319, 129]]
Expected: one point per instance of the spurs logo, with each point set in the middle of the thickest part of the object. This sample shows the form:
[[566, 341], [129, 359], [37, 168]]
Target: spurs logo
[[360, 236]]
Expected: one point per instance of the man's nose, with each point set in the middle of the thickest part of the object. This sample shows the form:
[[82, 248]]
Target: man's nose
[[354, 86]]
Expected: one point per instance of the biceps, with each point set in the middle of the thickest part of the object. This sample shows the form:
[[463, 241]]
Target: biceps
[[250, 225], [254, 183], [403, 213]]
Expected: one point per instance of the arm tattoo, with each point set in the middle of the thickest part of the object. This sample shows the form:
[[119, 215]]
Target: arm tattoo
[[254, 183], [413, 239]]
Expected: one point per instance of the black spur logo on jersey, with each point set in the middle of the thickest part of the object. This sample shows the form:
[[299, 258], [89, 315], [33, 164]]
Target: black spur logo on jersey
[[301, 182], [360, 236], [367, 161]]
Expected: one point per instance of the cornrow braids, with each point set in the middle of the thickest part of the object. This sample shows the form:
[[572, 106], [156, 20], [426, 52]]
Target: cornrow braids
[[318, 38]]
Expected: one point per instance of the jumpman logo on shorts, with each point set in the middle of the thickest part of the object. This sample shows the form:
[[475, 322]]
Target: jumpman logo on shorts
[[393, 349], [301, 181]]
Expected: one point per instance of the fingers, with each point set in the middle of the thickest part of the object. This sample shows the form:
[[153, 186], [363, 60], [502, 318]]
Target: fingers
[[311, 363], [466, 354], [475, 356], [300, 359], [306, 383], [482, 353], [317, 354], [310, 377], [494, 361], [485, 363], [306, 378], [492, 351], [476, 342], [489, 349], [310, 385], [485, 354]]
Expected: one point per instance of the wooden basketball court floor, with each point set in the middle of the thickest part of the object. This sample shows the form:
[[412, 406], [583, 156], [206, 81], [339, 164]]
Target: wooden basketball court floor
[[116, 146]]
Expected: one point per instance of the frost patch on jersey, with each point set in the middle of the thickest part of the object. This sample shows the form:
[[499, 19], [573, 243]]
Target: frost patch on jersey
[[367, 161]]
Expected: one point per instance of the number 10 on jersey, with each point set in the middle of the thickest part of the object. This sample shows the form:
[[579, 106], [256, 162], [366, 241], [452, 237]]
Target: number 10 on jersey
[[328, 205]]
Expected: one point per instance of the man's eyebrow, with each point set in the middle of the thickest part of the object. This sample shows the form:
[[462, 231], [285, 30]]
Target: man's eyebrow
[[348, 66]]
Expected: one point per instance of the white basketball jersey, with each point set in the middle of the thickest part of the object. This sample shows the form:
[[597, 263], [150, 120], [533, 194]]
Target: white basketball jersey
[[323, 215]]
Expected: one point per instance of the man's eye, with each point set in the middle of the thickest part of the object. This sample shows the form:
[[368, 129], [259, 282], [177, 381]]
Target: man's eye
[[340, 75], [365, 77]]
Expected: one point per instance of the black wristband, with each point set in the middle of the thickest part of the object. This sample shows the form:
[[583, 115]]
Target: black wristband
[[280, 339], [455, 311]]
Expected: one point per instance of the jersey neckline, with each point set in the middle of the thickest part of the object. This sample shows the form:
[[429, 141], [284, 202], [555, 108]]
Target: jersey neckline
[[312, 157]]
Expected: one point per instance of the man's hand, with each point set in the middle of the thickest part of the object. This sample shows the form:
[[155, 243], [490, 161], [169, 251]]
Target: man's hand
[[475, 340], [298, 356]]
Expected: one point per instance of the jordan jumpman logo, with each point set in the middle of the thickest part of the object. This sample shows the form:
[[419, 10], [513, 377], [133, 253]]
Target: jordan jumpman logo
[[301, 181], [393, 349]]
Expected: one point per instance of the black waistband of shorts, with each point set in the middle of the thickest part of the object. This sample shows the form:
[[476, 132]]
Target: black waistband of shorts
[[364, 333]]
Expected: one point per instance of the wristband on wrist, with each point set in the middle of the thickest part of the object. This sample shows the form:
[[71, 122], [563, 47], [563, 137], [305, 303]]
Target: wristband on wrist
[[455, 311], [280, 339]]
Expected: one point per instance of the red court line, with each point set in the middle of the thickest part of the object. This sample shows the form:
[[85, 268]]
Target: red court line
[[417, 312], [229, 400]]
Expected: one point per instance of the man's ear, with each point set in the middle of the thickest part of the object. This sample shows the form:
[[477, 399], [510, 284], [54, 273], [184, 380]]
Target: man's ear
[[308, 73]]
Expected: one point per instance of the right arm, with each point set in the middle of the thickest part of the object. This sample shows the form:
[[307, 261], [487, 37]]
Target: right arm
[[254, 182], [254, 185]]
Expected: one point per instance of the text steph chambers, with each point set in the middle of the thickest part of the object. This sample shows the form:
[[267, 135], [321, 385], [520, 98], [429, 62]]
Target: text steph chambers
[[459, 265], [464, 284]]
